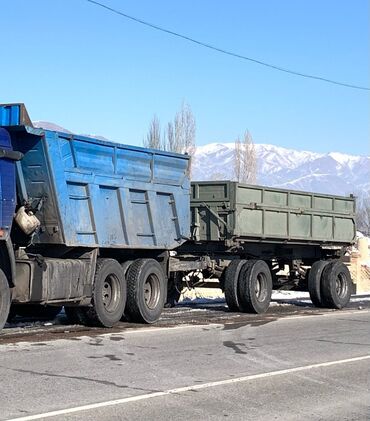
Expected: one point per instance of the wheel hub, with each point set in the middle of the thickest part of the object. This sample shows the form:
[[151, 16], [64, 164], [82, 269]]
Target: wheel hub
[[341, 285], [151, 291], [261, 287], [110, 293]]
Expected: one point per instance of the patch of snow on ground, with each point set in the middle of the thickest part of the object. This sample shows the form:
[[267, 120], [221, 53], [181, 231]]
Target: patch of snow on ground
[[216, 296]]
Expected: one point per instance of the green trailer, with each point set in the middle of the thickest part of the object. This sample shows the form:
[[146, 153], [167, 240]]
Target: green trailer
[[230, 211], [254, 239]]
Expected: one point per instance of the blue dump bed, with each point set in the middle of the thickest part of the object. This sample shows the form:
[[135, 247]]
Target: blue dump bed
[[99, 194]]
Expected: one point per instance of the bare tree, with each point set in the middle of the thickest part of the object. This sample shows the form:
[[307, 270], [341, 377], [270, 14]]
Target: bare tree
[[217, 176], [237, 159], [363, 216], [169, 138], [184, 132], [185, 128], [154, 138], [179, 135], [245, 160]]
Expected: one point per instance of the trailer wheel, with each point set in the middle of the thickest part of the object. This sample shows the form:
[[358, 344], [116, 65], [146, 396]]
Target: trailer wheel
[[4, 299], [230, 280], [255, 287], [146, 291], [314, 282], [336, 285], [109, 294]]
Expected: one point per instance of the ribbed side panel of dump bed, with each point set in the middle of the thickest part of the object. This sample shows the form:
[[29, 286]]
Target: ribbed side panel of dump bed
[[101, 194]]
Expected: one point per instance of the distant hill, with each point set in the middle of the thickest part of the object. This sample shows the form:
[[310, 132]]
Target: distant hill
[[54, 127], [50, 126]]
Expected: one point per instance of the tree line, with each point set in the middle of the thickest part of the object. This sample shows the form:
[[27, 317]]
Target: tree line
[[363, 215]]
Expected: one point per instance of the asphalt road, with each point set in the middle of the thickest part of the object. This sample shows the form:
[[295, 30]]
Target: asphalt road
[[283, 367]]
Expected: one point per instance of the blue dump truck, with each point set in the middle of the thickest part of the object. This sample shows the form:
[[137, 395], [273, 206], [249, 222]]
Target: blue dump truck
[[111, 231]]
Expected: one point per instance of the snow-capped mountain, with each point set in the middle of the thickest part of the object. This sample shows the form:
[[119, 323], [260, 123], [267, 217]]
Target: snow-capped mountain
[[332, 173], [54, 127], [49, 126]]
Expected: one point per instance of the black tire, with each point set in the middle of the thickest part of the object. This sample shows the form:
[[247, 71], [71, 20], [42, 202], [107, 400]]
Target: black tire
[[12, 314], [4, 299], [146, 291], [255, 287], [314, 281], [109, 295], [230, 278], [336, 285], [37, 311], [76, 315], [174, 290], [125, 267]]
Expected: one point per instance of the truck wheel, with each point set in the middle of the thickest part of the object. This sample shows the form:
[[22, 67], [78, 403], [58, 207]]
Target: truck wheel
[[255, 287], [125, 267], [314, 282], [336, 285], [230, 280], [146, 291], [12, 314], [4, 299], [76, 315], [174, 289], [109, 294]]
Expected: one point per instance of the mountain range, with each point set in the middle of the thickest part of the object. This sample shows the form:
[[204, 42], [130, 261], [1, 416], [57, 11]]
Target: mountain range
[[330, 173]]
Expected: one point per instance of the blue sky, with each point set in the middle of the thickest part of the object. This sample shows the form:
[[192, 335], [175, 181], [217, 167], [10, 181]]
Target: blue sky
[[91, 71]]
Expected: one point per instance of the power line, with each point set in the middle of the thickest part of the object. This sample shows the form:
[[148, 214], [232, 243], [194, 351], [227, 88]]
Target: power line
[[221, 50]]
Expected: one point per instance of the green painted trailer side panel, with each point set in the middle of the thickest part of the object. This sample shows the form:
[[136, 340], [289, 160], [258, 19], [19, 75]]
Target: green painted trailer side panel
[[224, 210]]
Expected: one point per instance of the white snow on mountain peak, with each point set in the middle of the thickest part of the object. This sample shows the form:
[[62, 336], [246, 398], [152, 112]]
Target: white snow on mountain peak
[[46, 125], [49, 126], [330, 173]]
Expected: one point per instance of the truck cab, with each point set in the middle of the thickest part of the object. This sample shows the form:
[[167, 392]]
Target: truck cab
[[9, 115]]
